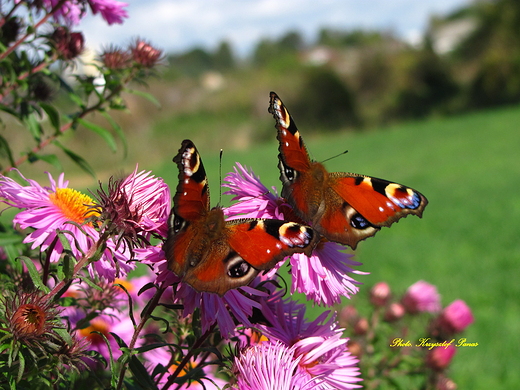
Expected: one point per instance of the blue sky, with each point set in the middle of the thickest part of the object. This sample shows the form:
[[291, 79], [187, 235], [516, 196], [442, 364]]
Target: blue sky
[[177, 25]]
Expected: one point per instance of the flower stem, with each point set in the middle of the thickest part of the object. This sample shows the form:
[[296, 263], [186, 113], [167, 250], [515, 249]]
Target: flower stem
[[145, 316]]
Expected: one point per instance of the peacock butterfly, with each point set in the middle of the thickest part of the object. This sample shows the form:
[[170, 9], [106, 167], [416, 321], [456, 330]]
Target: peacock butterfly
[[343, 207], [215, 255]]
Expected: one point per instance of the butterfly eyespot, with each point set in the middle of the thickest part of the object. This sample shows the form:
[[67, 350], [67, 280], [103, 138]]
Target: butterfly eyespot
[[238, 268], [359, 222], [178, 224]]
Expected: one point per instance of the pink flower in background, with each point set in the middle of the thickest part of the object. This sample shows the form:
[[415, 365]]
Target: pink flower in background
[[109, 322], [162, 356], [422, 296], [455, 318]]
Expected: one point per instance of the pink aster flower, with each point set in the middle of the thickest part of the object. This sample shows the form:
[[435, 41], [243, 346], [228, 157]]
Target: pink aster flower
[[422, 296], [270, 366], [48, 209], [323, 356], [455, 318], [136, 206], [325, 276]]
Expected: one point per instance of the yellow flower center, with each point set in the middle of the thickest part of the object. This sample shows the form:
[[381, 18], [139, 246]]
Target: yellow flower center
[[73, 204], [96, 325]]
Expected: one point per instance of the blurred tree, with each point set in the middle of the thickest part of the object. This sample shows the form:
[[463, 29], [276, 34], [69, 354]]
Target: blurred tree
[[429, 85], [325, 101], [269, 50], [493, 52], [223, 58], [193, 62], [292, 41], [357, 37]]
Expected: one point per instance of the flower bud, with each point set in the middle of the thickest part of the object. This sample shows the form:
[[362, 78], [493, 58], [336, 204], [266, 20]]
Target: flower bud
[[355, 348], [380, 294], [395, 312], [444, 383], [115, 58], [455, 318], [348, 315], [361, 327], [145, 54], [68, 44], [421, 296], [439, 358]]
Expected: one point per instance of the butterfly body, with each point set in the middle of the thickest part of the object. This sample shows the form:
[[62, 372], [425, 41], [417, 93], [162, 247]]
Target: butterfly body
[[215, 255], [343, 207]]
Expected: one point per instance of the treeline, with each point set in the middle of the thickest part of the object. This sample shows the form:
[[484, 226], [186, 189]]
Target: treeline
[[468, 60]]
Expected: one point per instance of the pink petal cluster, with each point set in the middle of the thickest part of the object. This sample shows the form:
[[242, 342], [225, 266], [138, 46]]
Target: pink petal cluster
[[325, 276], [323, 360]]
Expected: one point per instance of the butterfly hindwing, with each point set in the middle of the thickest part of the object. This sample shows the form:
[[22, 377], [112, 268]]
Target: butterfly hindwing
[[215, 255], [343, 207]]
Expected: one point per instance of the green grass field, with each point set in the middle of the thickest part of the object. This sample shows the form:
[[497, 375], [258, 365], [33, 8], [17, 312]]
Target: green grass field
[[467, 242]]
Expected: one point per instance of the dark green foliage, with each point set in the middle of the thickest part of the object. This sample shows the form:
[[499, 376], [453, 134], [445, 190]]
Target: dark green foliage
[[325, 102]]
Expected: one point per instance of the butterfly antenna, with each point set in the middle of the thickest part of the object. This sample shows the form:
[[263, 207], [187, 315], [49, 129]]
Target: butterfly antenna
[[337, 155], [220, 176]]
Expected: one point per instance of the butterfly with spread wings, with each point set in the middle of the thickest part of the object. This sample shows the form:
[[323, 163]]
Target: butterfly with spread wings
[[343, 207]]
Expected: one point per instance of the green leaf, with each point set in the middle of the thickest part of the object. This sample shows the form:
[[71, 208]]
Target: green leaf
[[91, 283], [101, 131], [140, 373], [34, 126], [118, 130], [34, 274], [146, 95], [10, 239], [80, 161], [53, 114], [4, 146], [51, 159], [76, 99]]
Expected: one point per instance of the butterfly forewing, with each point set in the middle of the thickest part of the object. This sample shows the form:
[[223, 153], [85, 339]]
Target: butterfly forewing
[[265, 242], [192, 197]]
